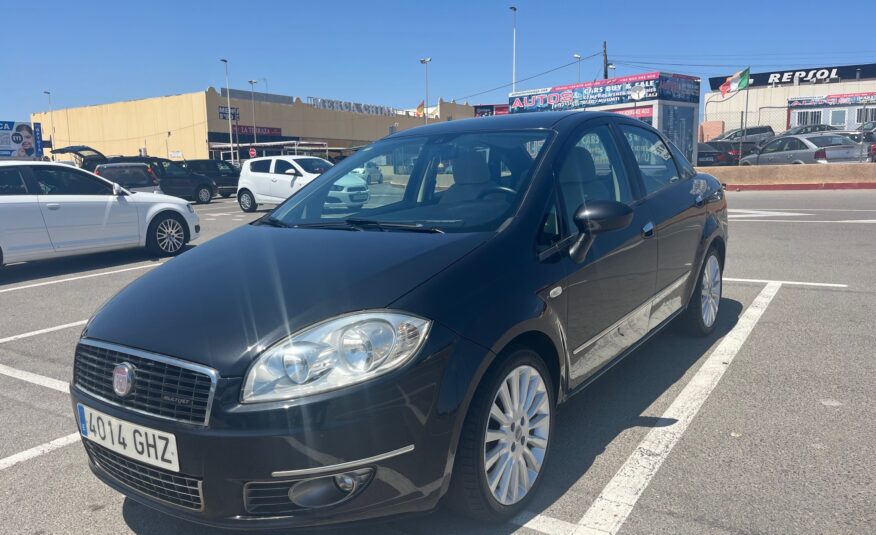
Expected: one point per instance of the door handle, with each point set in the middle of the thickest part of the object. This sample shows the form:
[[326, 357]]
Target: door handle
[[648, 230], [53, 206]]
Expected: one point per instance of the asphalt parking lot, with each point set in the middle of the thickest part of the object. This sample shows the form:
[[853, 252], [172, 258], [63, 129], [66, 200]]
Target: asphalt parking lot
[[766, 426]]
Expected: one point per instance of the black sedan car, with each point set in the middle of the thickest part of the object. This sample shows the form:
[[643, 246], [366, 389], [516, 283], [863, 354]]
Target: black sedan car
[[708, 155], [374, 362]]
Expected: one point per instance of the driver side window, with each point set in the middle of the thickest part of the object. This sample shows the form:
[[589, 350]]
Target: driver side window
[[281, 166]]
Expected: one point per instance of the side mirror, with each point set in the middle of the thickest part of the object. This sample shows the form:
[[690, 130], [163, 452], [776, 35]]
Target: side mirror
[[292, 172], [117, 190], [595, 217]]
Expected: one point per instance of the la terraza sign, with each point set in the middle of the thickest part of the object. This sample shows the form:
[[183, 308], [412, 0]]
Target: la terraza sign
[[818, 74]]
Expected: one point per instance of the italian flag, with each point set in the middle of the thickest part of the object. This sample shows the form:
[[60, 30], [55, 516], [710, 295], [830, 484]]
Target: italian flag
[[736, 82]]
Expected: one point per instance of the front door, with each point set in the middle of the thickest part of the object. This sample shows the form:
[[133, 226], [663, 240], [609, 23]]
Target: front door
[[81, 211], [284, 180], [609, 291], [772, 153]]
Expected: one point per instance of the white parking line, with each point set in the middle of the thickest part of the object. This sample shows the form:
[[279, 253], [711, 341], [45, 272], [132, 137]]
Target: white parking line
[[42, 449], [42, 331], [80, 277], [616, 501], [34, 378], [542, 523], [844, 222], [788, 283]]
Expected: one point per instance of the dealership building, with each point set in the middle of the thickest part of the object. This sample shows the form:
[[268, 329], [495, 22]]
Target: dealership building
[[667, 101], [841, 96], [196, 125]]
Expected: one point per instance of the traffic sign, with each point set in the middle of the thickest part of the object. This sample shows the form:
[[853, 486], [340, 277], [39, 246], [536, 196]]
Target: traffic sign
[[252, 152]]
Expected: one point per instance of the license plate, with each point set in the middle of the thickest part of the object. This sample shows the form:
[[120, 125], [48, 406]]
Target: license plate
[[357, 197], [138, 442], [706, 159]]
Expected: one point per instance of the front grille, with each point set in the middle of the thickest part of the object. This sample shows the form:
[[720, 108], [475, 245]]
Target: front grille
[[176, 489], [357, 188], [269, 498], [163, 386]]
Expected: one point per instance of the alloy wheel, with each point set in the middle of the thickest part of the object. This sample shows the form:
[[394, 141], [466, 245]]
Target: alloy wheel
[[204, 195], [710, 296], [517, 435], [170, 235], [245, 201]]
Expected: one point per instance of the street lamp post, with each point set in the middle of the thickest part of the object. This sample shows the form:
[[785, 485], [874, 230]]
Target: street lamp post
[[228, 95], [52, 118], [514, 52], [578, 60], [252, 83], [425, 62]]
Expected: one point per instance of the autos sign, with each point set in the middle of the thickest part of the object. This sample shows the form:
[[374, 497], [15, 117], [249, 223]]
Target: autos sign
[[20, 140], [656, 85]]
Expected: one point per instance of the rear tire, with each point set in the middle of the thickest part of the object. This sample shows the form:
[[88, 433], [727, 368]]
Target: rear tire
[[167, 235], [505, 440], [246, 200], [701, 315], [203, 195]]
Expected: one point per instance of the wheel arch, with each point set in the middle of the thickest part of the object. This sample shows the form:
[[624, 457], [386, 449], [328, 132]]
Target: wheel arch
[[156, 212]]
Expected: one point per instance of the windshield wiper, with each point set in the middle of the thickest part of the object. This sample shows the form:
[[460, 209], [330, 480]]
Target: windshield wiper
[[271, 222], [390, 225], [338, 225]]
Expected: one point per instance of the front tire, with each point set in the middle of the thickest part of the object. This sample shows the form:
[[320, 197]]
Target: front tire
[[701, 315], [203, 195], [505, 440], [246, 200], [167, 235]]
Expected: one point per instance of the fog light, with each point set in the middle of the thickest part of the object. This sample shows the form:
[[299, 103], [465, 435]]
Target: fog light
[[345, 482], [329, 490]]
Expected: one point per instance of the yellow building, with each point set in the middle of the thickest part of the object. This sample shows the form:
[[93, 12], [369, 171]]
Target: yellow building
[[195, 125]]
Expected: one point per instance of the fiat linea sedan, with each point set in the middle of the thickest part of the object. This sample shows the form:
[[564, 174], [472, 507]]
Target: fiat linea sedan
[[375, 361]]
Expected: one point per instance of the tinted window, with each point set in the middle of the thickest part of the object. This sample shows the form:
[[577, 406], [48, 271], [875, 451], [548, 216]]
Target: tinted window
[[653, 157], [281, 166], [773, 146], [830, 141], [225, 168], [11, 182], [592, 170], [173, 170], [314, 165], [682, 162], [260, 166], [61, 181], [128, 177], [445, 181]]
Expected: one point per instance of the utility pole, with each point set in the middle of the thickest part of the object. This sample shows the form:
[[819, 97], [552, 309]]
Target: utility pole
[[605, 60], [425, 62], [228, 96], [52, 117], [514, 52], [252, 83]]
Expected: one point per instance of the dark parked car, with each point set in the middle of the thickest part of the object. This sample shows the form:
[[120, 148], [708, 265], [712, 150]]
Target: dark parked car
[[751, 134], [131, 176], [223, 174], [808, 129], [373, 362], [174, 179], [707, 155]]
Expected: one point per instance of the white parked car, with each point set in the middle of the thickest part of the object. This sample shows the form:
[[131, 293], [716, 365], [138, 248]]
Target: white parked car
[[348, 192], [49, 210], [273, 179]]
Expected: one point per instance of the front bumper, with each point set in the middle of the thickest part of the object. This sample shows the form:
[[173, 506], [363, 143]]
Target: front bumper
[[194, 224], [403, 426]]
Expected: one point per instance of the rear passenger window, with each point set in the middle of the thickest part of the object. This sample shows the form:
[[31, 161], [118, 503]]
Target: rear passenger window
[[11, 182], [260, 166], [653, 157], [60, 181]]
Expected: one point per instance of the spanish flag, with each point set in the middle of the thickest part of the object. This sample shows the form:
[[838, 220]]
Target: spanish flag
[[736, 82], [421, 109]]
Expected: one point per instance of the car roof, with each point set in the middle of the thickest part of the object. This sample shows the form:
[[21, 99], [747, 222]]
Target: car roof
[[124, 164], [819, 134], [515, 121], [8, 163]]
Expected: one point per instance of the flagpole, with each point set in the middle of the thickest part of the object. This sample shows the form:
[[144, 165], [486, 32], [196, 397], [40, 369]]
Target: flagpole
[[744, 123]]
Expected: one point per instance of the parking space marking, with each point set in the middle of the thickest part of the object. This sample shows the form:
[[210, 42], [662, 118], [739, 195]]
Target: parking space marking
[[844, 222], [542, 523], [42, 449], [42, 331], [80, 277], [788, 283], [616, 501], [34, 378]]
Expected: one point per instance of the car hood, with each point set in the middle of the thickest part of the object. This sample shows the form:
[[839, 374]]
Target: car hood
[[225, 301], [147, 198]]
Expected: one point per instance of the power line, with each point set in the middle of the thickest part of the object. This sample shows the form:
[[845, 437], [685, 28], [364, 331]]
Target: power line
[[503, 86]]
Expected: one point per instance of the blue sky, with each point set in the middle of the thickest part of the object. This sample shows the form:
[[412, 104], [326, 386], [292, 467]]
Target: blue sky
[[104, 51]]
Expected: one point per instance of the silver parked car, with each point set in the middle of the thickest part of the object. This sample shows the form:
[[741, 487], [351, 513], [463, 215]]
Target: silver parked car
[[822, 147]]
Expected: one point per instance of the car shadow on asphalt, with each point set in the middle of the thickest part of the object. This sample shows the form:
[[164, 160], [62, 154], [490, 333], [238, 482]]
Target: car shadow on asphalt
[[72, 266], [586, 425]]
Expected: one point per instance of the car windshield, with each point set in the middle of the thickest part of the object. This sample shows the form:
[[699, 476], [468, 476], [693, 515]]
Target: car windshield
[[314, 165], [460, 182], [870, 125], [830, 141]]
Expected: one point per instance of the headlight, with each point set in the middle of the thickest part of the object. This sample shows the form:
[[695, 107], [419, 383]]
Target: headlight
[[337, 188], [191, 209], [333, 354]]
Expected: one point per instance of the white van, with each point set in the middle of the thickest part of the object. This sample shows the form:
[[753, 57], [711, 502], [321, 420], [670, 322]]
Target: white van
[[273, 179]]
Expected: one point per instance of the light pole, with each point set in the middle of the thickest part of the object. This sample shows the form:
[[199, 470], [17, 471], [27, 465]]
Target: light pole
[[514, 52], [228, 95], [265, 80], [425, 62], [252, 83], [52, 118], [578, 59]]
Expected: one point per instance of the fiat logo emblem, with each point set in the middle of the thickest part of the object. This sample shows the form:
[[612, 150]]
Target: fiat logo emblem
[[123, 379]]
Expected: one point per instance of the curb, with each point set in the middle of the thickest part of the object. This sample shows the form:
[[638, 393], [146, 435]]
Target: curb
[[810, 186]]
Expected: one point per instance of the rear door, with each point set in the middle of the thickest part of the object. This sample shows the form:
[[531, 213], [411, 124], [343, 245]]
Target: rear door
[[608, 292], [675, 199], [81, 212], [176, 180], [23, 234], [260, 177], [796, 151]]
